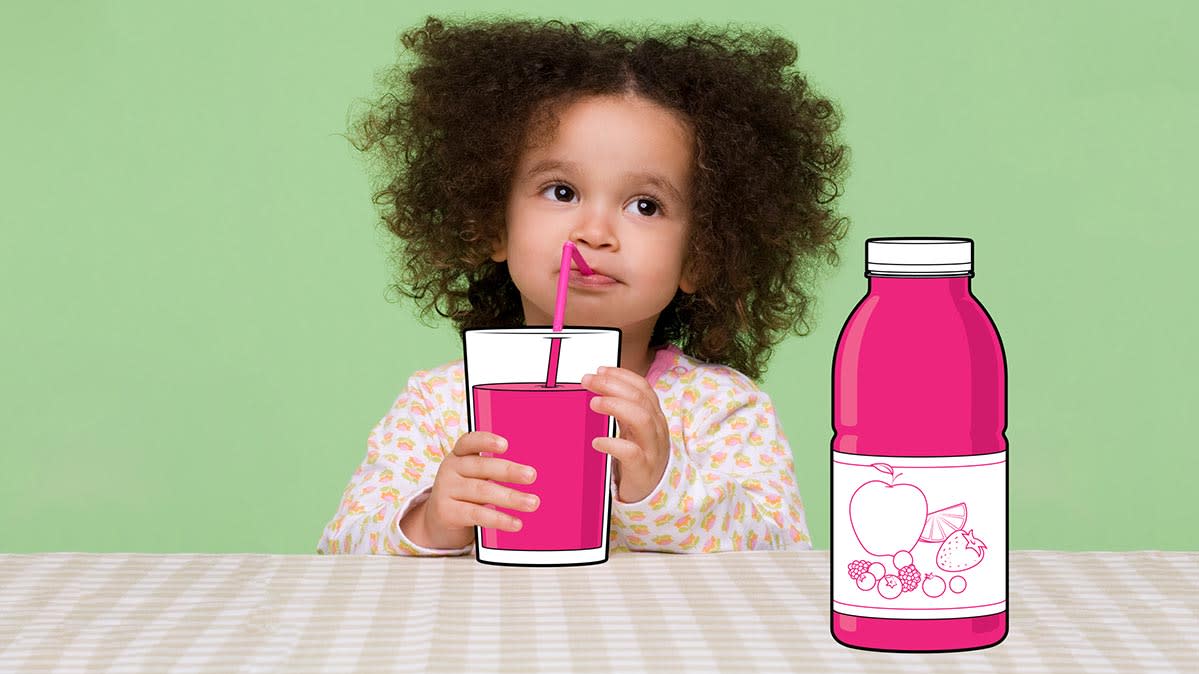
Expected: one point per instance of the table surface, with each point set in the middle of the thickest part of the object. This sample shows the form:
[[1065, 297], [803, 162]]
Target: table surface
[[735, 611]]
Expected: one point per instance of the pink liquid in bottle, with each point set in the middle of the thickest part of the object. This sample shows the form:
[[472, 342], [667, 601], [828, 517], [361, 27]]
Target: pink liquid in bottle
[[919, 461]]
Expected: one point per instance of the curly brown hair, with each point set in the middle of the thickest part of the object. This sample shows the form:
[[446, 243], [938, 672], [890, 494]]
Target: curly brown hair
[[449, 130]]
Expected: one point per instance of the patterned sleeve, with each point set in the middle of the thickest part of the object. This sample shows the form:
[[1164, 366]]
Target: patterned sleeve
[[729, 486], [403, 452]]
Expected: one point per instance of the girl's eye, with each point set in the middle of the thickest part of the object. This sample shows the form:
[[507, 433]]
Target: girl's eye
[[565, 194], [646, 207], [560, 192]]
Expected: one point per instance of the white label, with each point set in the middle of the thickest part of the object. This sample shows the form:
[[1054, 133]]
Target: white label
[[946, 516]]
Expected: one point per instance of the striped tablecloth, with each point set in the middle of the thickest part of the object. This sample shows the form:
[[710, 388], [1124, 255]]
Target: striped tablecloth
[[734, 612]]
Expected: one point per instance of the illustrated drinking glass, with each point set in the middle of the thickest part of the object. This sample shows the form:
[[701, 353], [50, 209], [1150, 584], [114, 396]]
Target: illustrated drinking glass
[[549, 425]]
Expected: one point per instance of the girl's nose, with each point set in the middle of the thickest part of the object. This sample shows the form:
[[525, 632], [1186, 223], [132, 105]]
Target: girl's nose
[[594, 228]]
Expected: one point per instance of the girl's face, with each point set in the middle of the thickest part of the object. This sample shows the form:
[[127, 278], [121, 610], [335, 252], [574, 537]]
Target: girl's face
[[615, 180]]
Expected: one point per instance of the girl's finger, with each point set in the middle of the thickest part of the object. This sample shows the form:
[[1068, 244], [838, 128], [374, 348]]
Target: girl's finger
[[633, 416], [479, 441], [619, 373], [624, 451], [637, 385], [475, 514], [491, 468], [609, 384], [485, 492]]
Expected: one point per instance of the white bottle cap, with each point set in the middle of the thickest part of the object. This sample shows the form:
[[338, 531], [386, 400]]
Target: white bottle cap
[[919, 256]]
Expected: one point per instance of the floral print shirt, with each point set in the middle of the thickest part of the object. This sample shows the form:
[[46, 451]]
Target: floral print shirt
[[729, 483]]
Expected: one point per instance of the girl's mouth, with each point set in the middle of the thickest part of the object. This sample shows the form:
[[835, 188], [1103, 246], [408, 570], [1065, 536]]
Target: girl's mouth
[[580, 280]]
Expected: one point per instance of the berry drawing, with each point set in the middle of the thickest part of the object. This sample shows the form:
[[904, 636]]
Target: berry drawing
[[877, 570], [890, 587], [960, 551], [934, 586], [857, 568], [909, 576], [887, 517], [866, 581], [957, 584]]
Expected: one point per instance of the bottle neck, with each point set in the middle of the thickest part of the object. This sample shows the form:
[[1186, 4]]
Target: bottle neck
[[954, 286]]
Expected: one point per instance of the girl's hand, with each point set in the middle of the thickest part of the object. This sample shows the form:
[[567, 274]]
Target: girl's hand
[[643, 448], [462, 491]]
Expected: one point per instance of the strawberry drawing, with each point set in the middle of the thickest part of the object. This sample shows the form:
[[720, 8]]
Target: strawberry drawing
[[960, 551]]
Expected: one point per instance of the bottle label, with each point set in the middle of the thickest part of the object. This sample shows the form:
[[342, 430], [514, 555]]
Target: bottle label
[[919, 537]]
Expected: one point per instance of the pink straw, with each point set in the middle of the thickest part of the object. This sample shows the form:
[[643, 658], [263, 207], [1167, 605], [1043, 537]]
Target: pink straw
[[568, 251]]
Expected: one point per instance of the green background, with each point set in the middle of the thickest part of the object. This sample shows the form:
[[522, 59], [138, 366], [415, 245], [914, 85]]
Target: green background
[[197, 334]]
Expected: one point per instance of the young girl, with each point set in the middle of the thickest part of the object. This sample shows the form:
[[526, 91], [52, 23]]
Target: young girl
[[695, 174]]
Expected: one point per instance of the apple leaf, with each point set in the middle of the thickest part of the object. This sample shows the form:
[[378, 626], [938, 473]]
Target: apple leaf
[[883, 468]]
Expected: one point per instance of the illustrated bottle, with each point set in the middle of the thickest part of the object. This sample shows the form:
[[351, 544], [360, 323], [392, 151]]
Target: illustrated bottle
[[919, 457]]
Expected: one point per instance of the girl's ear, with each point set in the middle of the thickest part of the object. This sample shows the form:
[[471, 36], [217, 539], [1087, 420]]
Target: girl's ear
[[499, 249], [686, 283]]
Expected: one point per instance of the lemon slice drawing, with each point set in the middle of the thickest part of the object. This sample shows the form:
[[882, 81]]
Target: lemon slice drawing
[[940, 524]]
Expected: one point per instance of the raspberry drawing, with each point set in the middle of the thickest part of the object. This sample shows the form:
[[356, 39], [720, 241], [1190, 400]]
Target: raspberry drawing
[[910, 577], [857, 568]]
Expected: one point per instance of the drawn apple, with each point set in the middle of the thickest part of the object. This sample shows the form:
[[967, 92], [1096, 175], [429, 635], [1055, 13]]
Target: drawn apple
[[887, 518]]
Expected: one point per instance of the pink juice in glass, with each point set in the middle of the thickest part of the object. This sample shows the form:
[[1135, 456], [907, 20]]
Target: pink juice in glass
[[550, 429], [919, 460]]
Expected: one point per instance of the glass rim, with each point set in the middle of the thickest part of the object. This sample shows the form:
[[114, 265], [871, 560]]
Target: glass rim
[[542, 329]]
